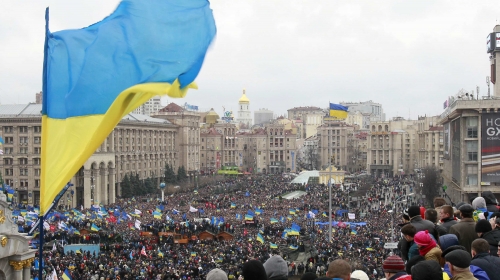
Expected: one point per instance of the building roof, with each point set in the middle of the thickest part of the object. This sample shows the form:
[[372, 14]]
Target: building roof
[[172, 107], [244, 98], [305, 108], [35, 110], [436, 128]]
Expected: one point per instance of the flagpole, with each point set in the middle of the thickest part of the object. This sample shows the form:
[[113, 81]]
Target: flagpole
[[40, 249], [329, 189]]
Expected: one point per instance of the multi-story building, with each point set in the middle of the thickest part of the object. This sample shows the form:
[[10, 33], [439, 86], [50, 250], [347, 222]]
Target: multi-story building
[[357, 150], [430, 143], [138, 145], [310, 118], [369, 108], [333, 143], [471, 147], [355, 118], [149, 107], [244, 113], [254, 145], [308, 157], [263, 116], [188, 136], [281, 148]]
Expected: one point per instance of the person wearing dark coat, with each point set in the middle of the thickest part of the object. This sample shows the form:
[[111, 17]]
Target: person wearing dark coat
[[447, 218], [483, 229], [419, 223], [426, 270], [481, 258], [465, 229], [491, 201]]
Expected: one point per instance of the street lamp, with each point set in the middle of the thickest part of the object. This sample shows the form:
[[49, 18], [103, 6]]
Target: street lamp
[[162, 188], [395, 209]]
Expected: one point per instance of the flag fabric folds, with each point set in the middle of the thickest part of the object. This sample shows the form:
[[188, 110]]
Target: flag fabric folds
[[66, 275], [338, 111], [273, 246], [94, 228], [260, 238], [93, 77]]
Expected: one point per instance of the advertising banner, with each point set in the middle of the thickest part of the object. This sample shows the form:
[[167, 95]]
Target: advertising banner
[[446, 141], [490, 147]]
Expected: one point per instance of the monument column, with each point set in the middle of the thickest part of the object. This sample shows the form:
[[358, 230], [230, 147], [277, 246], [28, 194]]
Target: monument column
[[26, 268], [18, 269], [111, 180], [87, 185]]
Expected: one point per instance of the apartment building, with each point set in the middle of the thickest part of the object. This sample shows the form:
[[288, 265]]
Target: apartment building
[[334, 143]]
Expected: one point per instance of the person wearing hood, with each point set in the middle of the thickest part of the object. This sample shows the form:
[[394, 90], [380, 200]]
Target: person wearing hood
[[428, 248], [491, 201], [481, 212], [276, 268], [481, 257]]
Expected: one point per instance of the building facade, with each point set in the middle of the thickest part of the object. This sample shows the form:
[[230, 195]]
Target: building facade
[[150, 107], [369, 108], [138, 145], [333, 143], [307, 119], [430, 143], [263, 116]]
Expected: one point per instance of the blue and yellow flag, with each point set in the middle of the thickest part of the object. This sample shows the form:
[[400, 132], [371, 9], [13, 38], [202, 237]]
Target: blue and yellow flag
[[93, 77], [338, 111], [66, 275], [233, 205], [94, 228], [260, 238], [273, 246], [274, 220], [293, 247]]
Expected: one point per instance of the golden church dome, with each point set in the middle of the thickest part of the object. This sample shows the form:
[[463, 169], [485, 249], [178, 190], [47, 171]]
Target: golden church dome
[[244, 99]]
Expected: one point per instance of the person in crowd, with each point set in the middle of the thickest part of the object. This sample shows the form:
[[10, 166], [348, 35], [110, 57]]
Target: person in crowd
[[427, 270], [447, 240], [432, 215], [419, 223], [408, 232], [394, 268], [339, 269], [306, 276], [491, 201], [493, 236], [481, 258], [217, 274], [276, 268], [254, 270], [438, 202], [465, 229], [447, 217], [479, 273], [459, 261], [359, 275], [427, 247]]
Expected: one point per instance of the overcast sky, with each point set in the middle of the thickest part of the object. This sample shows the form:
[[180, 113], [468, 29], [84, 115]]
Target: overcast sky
[[407, 55]]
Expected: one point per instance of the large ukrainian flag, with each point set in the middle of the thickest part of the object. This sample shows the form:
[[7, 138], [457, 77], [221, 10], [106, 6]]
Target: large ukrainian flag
[[94, 76], [338, 111]]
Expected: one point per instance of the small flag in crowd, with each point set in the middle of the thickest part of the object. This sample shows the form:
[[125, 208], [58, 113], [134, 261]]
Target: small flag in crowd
[[66, 275], [260, 238], [94, 228], [273, 246]]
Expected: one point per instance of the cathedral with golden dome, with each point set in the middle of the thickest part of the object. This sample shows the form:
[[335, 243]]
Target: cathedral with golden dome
[[244, 115]]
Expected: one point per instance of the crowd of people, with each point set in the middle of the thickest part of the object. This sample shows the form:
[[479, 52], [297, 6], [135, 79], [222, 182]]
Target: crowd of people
[[258, 219]]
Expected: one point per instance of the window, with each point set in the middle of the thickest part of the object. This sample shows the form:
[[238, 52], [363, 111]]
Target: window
[[36, 161], [23, 171], [23, 150], [23, 161], [9, 171], [23, 140], [37, 172], [37, 183], [471, 150], [7, 129], [37, 150], [23, 129], [23, 182], [471, 125], [37, 139], [37, 129], [9, 151], [8, 161], [472, 174], [9, 140]]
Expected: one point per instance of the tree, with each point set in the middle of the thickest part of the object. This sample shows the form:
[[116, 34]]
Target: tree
[[431, 183], [181, 173], [170, 177], [126, 187]]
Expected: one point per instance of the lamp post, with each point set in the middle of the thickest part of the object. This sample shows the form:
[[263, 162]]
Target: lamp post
[[92, 186], [72, 194], [395, 209], [162, 188]]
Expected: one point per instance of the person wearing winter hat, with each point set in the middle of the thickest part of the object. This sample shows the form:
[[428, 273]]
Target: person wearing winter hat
[[394, 267], [428, 248], [465, 229], [478, 272], [426, 270], [254, 270], [339, 269], [482, 227], [359, 275], [276, 268], [459, 261], [217, 274]]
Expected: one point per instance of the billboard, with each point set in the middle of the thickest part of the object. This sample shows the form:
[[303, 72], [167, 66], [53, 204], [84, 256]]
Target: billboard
[[446, 141], [456, 159], [490, 147]]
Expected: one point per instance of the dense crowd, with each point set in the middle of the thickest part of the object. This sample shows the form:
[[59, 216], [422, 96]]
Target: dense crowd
[[423, 235]]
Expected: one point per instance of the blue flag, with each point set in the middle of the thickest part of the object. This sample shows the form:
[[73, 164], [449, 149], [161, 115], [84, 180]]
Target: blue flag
[[93, 77]]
